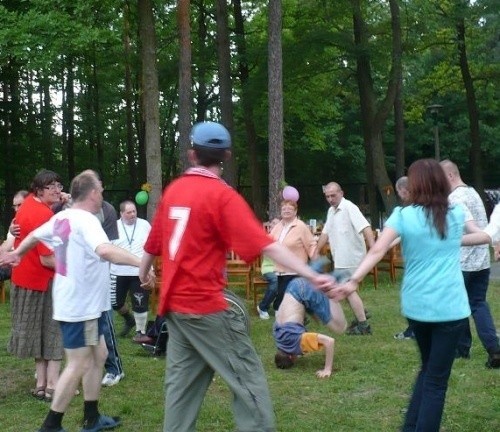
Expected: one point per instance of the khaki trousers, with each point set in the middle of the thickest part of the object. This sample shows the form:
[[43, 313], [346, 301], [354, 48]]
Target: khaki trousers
[[200, 345]]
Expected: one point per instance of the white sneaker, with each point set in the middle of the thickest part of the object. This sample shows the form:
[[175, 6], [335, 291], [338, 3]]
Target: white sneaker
[[262, 314], [110, 379]]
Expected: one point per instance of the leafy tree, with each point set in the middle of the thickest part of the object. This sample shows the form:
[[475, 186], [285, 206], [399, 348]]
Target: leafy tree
[[72, 91], [247, 105], [375, 115]]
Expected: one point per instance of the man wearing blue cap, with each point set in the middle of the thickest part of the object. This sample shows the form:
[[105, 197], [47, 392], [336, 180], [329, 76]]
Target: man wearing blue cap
[[198, 220]]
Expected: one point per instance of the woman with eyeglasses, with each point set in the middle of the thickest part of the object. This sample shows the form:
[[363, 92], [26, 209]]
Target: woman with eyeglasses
[[34, 333]]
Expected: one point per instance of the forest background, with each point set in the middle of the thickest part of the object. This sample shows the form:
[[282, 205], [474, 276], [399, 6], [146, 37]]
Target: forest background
[[311, 91]]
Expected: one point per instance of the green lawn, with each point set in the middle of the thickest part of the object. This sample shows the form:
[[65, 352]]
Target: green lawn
[[368, 391]]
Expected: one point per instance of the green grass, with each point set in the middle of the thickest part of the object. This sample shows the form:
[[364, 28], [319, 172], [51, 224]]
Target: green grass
[[368, 391]]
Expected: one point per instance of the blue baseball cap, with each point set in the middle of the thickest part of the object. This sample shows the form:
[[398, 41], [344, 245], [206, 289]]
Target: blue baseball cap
[[210, 134]]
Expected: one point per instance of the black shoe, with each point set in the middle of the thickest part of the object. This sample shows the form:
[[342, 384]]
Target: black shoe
[[142, 338], [126, 329], [359, 330], [493, 361], [404, 335], [355, 322]]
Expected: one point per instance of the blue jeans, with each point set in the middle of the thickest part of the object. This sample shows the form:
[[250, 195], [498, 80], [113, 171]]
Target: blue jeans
[[271, 290], [314, 301], [437, 343], [113, 363], [476, 284]]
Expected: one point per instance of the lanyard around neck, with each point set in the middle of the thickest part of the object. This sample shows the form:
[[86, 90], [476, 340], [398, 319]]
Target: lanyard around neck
[[131, 238]]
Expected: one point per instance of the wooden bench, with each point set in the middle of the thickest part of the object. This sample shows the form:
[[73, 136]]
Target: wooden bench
[[3, 289], [239, 273]]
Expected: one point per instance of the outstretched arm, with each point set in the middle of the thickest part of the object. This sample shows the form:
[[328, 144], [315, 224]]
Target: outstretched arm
[[145, 267], [475, 239], [282, 255], [13, 258], [374, 255], [486, 236], [118, 255], [329, 343], [7, 245]]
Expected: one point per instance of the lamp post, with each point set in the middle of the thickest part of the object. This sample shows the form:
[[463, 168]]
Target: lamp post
[[434, 109]]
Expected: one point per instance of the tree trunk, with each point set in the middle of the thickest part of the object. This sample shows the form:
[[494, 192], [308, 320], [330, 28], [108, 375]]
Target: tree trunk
[[275, 90], [373, 114], [247, 103], [69, 119], [46, 114], [399, 130], [131, 153], [151, 99], [31, 126], [475, 139], [11, 129], [184, 24], [201, 69], [225, 86], [96, 108], [6, 141]]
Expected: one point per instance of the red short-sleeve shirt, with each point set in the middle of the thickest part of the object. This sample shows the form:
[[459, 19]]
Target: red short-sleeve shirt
[[197, 221], [30, 273]]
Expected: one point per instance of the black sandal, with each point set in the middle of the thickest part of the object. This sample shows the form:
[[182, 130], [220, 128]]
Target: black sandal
[[38, 393], [49, 393]]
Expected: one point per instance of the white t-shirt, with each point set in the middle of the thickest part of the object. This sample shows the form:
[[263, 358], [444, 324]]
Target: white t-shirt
[[493, 228], [344, 226], [132, 238], [81, 283]]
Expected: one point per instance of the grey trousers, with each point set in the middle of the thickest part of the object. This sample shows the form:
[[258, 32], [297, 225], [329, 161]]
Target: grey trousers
[[200, 345]]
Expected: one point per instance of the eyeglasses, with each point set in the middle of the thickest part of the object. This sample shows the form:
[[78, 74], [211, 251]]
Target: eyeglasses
[[54, 187]]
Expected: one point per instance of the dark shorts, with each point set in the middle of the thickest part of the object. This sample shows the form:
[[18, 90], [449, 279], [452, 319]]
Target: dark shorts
[[139, 296], [82, 334], [315, 302]]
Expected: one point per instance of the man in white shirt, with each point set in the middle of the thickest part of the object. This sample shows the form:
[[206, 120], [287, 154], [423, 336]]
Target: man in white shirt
[[132, 234], [348, 232], [475, 264], [80, 297]]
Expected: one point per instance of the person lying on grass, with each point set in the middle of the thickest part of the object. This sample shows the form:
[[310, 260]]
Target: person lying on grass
[[290, 335]]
